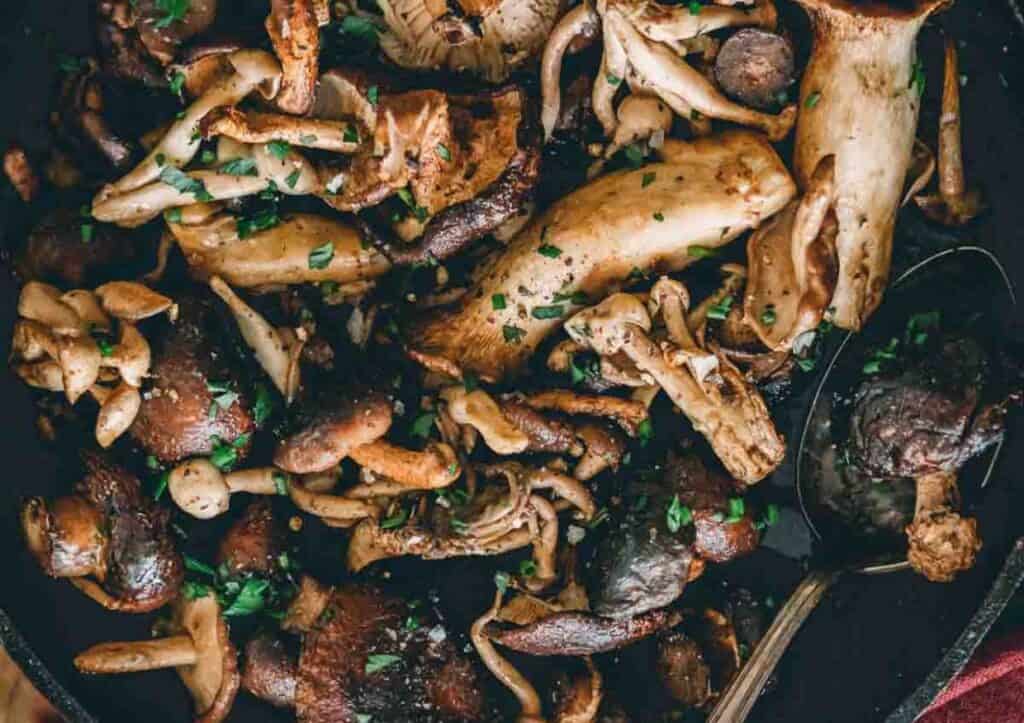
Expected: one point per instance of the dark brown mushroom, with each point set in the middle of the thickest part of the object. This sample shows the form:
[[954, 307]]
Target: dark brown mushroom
[[175, 420], [254, 543], [19, 171], [295, 34], [163, 32], [122, 51], [576, 633], [110, 539], [682, 669], [331, 426], [270, 670], [756, 67]]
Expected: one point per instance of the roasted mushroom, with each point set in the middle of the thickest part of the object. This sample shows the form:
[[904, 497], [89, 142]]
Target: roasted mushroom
[[66, 248], [704, 194], [200, 652], [867, 121], [112, 541], [295, 33]]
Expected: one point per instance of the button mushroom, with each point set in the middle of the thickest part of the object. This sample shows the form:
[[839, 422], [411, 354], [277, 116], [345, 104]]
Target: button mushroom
[[108, 538], [871, 134], [200, 651], [703, 193], [202, 490], [728, 411]]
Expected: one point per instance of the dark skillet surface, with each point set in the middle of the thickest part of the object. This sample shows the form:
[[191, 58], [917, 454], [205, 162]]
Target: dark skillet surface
[[872, 641]]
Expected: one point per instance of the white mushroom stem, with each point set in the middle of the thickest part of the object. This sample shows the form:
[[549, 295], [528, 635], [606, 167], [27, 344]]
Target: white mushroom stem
[[266, 343], [545, 544], [610, 75], [131, 356], [117, 412], [682, 87], [502, 669], [480, 411], [138, 656], [582, 19], [640, 116], [671, 299], [254, 69], [203, 491]]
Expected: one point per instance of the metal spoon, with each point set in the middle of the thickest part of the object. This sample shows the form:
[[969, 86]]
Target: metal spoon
[[840, 547]]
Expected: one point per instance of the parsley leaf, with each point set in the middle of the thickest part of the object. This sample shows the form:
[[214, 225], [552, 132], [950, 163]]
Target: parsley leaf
[[422, 425], [512, 334], [497, 302], [182, 183], [555, 311], [377, 663], [279, 149], [239, 167], [320, 257], [678, 515], [720, 310]]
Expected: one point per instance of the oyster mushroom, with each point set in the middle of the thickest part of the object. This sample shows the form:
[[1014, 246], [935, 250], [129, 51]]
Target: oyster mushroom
[[200, 651], [295, 34], [792, 264], [703, 193], [131, 301], [954, 205], [860, 101], [434, 467], [277, 255], [490, 38], [723, 407], [110, 539], [478, 409], [256, 127]]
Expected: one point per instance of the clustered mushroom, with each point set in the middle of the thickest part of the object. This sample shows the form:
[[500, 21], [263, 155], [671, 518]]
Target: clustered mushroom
[[64, 342]]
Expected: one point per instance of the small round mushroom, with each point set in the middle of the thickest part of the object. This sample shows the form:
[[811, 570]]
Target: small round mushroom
[[755, 67], [200, 652], [199, 488]]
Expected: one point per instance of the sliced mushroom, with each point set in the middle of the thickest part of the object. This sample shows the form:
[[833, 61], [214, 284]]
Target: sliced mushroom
[[728, 411], [266, 342], [254, 127], [434, 467], [200, 652], [871, 134], [703, 194]]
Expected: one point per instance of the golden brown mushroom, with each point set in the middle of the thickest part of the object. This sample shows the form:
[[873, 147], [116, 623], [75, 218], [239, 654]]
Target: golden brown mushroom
[[200, 652], [941, 542]]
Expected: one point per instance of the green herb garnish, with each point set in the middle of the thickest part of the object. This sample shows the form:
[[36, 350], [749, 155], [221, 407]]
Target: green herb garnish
[[678, 515]]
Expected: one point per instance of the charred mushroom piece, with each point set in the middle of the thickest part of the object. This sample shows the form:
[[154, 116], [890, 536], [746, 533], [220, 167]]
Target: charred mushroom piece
[[577, 633], [122, 51], [719, 403], [954, 205], [488, 37], [270, 671], [871, 134], [331, 426], [755, 67], [295, 33], [200, 652], [111, 540], [174, 420], [704, 193]]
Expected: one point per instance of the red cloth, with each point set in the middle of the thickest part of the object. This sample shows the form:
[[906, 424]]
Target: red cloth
[[989, 690]]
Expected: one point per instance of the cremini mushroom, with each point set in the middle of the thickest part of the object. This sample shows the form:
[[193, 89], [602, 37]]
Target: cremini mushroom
[[488, 37], [479, 410], [200, 651], [792, 264], [723, 407], [702, 194], [870, 133], [278, 358], [954, 205]]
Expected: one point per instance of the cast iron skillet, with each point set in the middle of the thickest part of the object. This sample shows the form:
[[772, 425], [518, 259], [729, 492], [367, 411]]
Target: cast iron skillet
[[869, 647]]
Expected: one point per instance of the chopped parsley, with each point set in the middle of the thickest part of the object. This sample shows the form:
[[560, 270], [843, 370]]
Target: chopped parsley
[[648, 179], [87, 232], [812, 99], [613, 80], [678, 515], [173, 215], [320, 257], [527, 568], [512, 334], [552, 252], [736, 509], [645, 432], [173, 11], [182, 183], [501, 581], [497, 302], [280, 482], [223, 395], [247, 226], [917, 76], [578, 298], [443, 152], [634, 155], [176, 83], [589, 370], [309, 139], [695, 7], [768, 316], [351, 134], [279, 149], [239, 167], [422, 425], [721, 309], [293, 178], [373, 94], [396, 520], [659, 216], [700, 252], [555, 311]]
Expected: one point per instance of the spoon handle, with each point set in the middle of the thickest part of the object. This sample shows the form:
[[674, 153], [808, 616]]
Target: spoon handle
[[735, 704]]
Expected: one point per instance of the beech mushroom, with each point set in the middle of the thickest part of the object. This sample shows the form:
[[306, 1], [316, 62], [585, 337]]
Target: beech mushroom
[[110, 540], [200, 651], [867, 120], [117, 412], [489, 37], [703, 194], [954, 205], [280, 360], [277, 255], [478, 409], [791, 259], [941, 542], [728, 411], [199, 488]]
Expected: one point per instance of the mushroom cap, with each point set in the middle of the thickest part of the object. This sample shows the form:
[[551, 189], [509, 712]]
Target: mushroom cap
[[198, 488], [942, 545], [332, 428], [64, 536], [213, 680], [488, 37], [606, 327]]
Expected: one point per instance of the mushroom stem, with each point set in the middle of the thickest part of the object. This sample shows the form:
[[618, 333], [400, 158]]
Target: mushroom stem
[[324, 505], [479, 410], [581, 20], [138, 656], [941, 543], [255, 481], [435, 467], [504, 671]]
